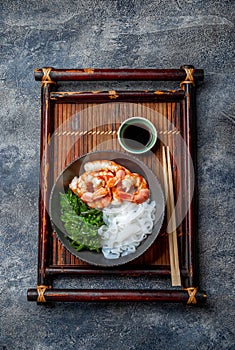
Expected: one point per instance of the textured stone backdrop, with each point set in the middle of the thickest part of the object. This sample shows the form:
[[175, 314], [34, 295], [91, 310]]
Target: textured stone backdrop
[[144, 34]]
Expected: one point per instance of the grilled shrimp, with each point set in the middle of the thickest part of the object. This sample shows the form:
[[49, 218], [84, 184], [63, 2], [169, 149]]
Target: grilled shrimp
[[118, 170], [105, 182], [102, 164], [93, 187], [133, 188]]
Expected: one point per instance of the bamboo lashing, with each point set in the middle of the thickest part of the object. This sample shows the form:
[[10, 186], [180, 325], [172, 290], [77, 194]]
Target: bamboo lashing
[[46, 79], [192, 292], [106, 132], [41, 290], [189, 77], [172, 234]]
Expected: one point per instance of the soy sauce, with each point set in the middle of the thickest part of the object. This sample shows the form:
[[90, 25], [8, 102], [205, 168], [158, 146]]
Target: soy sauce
[[136, 136]]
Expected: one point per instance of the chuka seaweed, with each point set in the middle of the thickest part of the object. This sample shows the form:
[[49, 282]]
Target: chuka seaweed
[[80, 222]]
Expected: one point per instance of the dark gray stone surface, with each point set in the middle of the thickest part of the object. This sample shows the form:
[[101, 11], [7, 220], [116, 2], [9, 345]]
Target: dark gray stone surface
[[148, 33]]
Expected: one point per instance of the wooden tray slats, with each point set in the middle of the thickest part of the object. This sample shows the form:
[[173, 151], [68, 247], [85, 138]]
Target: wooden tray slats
[[84, 128]]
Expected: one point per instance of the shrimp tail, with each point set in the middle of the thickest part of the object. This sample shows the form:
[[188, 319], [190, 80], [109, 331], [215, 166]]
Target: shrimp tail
[[141, 196]]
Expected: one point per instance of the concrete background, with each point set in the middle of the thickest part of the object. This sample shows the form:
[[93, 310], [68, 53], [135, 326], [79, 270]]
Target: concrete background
[[148, 33]]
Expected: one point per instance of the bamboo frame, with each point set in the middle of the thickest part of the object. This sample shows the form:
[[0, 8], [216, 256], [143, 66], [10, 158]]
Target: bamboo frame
[[117, 74], [103, 295], [49, 267], [127, 96]]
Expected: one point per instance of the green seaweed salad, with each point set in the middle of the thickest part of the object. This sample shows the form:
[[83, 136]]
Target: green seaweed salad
[[80, 222]]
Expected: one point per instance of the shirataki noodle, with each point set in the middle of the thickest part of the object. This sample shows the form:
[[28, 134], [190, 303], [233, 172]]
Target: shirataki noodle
[[126, 226]]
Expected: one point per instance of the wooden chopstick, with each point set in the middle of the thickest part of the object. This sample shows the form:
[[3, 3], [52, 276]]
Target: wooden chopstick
[[171, 219]]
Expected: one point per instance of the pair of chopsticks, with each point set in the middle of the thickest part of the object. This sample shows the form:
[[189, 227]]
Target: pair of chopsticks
[[171, 219]]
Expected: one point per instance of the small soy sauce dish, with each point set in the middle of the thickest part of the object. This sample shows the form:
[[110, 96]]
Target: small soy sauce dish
[[137, 135]]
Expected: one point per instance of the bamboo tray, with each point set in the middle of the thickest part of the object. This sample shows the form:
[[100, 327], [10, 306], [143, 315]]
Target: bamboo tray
[[74, 123]]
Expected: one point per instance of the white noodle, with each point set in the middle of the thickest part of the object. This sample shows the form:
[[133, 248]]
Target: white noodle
[[126, 226]]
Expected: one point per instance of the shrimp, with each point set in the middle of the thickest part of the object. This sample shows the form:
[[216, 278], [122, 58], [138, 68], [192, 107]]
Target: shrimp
[[107, 165], [133, 188], [92, 188], [99, 203], [105, 182], [87, 182]]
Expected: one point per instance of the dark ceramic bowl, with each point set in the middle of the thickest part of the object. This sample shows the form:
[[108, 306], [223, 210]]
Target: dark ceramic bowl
[[76, 168]]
